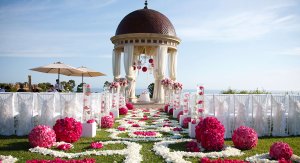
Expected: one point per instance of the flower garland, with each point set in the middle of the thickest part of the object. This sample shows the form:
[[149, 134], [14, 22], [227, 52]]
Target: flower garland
[[58, 160], [132, 152], [161, 148], [144, 134], [7, 159]]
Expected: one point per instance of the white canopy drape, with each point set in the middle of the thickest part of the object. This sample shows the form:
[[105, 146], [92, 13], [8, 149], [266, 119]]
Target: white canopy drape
[[128, 62], [116, 63], [173, 65]]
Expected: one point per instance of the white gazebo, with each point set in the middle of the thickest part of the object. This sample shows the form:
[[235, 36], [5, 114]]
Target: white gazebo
[[150, 33]]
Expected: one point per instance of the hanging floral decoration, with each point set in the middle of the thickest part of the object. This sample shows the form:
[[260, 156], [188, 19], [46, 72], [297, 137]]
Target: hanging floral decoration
[[42, 136], [67, 130], [144, 63]]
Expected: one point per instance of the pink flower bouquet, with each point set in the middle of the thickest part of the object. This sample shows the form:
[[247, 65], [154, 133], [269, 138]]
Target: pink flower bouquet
[[171, 111], [244, 138], [107, 121], [42, 136], [129, 106], [96, 145], [281, 150], [123, 110], [179, 114], [68, 130], [166, 108], [91, 121], [192, 146], [186, 121], [64, 147]]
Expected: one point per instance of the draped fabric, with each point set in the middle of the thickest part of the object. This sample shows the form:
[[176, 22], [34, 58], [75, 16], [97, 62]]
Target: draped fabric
[[46, 103], [6, 114], [260, 116], [209, 105], [279, 115], [160, 64], [222, 112], [128, 62], [294, 115], [25, 105], [70, 107], [243, 114], [95, 105], [173, 65], [116, 63]]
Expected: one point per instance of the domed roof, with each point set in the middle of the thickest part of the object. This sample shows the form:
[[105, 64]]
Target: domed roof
[[146, 21]]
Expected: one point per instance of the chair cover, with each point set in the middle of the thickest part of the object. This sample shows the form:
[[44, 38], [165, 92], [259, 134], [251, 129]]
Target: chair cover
[[279, 116], [7, 114], [25, 105], [294, 115], [46, 105], [222, 112], [260, 116], [242, 110], [70, 106]]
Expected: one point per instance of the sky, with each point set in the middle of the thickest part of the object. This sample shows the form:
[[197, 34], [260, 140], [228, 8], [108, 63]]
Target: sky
[[237, 44]]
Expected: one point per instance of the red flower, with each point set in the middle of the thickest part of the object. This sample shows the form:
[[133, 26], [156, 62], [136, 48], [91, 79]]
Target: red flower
[[145, 133], [244, 138], [179, 114], [192, 146], [186, 121], [96, 145], [207, 160], [42, 136], [166, 108], [171, 111], [135, 125], [200, 102], [91, 121], [67, 130], [58, 160], [281, 150], [123, 110], [129, 106], [107, 121], [144, 69], [150, 60], [64, 147], [177, 129], [121, 129]]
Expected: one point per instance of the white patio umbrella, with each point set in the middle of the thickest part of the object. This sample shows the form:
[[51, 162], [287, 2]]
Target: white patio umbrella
[[86, 72], [57, 68]]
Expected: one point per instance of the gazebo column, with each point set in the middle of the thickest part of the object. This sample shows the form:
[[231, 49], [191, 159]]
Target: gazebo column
[[159, 69], [116, 63], [173, 65], [128, 62]]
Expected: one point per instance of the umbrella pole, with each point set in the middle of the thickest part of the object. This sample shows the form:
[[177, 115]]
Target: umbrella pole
[[58, 79], [82, 78]]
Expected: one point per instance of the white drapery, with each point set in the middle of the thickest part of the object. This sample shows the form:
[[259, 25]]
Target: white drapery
[[25, 105], [173, 65], [260, 116], [6, 114], [159, 72], [242, 111], [116, 63], [222, 112], [279, 116], [128, 62], [46, 103], [294, 115]]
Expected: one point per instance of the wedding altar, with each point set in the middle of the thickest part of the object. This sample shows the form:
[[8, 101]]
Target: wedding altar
[[276, 115]]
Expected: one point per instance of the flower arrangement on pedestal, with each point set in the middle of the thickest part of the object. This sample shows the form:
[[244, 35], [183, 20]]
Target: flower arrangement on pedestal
[[129, 106], [42, 136], [114, 86], [210, 132], [123, 110], [244, 138], [68, 130]]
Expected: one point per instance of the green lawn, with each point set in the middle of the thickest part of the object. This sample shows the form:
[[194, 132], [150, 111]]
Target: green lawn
[[18, 147]]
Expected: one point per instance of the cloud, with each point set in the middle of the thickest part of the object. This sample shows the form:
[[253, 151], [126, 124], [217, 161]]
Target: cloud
[[293, 52], [238, 26]]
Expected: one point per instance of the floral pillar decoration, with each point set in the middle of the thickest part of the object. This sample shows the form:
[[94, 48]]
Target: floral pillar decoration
[[185, 107], [115, 90], [197, 111], [87, 111], [177, 88], [122, 95], [167, 85]]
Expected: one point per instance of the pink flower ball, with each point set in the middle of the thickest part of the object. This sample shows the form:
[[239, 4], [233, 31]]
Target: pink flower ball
[[281, 150], [107, 121], [244, 138], [68, 130], [123, 110], [210, 132], [186, 121], [129, 106], [171, 111], [180, 113], [42, 136], [166, 108]]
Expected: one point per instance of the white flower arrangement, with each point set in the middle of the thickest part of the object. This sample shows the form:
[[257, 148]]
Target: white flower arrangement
[[132, 152], [161, 148], [131, 134], [261, 158], [8, 159]]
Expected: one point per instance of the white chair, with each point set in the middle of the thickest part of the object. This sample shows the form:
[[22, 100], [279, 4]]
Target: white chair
[[279, 115], [24, 109], [46, 105], [6, 114], [294, 115]]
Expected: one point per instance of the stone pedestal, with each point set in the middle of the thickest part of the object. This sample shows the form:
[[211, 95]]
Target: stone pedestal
[[89, 130], [192, 128]]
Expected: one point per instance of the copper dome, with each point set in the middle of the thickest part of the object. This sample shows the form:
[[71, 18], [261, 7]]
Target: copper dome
[[146, 21]]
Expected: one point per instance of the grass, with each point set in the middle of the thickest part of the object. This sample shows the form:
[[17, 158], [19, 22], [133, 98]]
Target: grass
[[18, 147]]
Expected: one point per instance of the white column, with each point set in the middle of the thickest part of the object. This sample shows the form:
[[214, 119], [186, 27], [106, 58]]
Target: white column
[[161, 55], [173, 65], [128, 61], [116, 63]]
